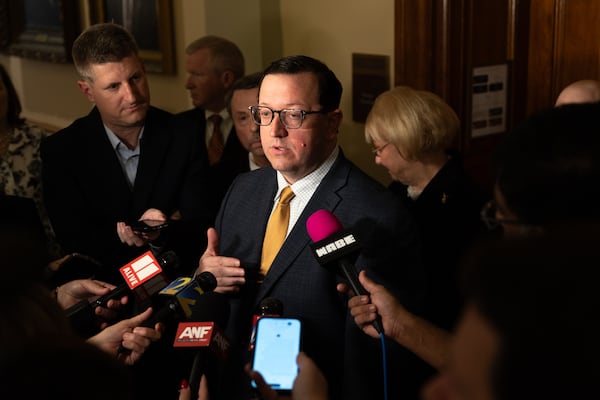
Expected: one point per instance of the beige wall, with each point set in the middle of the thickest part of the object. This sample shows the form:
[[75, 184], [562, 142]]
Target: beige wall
[[329, 30]]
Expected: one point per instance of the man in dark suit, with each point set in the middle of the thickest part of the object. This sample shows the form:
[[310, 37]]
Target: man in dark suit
[[242, 95], [213, 65], [298, 110], [124, 161]]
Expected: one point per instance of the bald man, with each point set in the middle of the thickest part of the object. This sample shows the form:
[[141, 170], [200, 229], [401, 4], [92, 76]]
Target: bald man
[[583, 91]]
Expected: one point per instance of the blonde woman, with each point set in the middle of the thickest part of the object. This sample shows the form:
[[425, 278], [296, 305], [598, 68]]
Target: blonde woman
[[412, 133]]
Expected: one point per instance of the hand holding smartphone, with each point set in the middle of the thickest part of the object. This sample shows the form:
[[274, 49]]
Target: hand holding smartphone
[[278, 342], [148, 225]]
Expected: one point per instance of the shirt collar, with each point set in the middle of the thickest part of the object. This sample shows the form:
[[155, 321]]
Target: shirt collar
[[115, 141]]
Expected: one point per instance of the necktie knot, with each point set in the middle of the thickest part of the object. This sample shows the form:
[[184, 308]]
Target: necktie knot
[[215, 119], [287, 194]]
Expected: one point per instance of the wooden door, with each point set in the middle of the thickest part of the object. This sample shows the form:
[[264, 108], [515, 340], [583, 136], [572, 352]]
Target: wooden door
[[546, 44], [440, 42], [564, 46]]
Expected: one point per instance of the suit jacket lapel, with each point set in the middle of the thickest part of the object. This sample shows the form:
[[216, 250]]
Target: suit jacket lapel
[[154, 145], [102, 159]]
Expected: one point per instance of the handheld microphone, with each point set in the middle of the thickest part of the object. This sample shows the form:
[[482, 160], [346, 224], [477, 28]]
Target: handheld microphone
[[178, 298], [268, 307], [203, 330], [149, 283], [144, 277], [335, 247]]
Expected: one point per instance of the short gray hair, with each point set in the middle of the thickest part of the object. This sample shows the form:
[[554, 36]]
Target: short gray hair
[[226, 55]]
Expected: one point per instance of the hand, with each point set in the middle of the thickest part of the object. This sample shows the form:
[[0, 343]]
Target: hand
[[227, 270], [365, 308], [139, 239], [76, 290], [130, 335], [55, 265], [265, 390], [185, 392], [310, 384]]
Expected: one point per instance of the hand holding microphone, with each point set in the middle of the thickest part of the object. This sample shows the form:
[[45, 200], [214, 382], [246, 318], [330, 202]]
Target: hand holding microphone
[[72, 292], [335, 247], [380, 303], [79, 296], [177, 299], [144, 277]]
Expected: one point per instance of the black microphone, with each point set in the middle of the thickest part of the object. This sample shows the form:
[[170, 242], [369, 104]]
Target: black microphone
[[175, 301], [151, 285], [268, 307], [204, 330], [144, 277], [335, 247]]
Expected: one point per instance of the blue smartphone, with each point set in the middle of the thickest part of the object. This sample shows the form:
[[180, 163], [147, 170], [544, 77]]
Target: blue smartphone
[[277, 345]]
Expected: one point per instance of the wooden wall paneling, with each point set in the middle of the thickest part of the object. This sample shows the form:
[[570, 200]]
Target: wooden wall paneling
[[429, 48], [451, 56], [437, 45], [517, 53], [577, 39], [413, 43], [540, 56], [486, 43], [564, 46]]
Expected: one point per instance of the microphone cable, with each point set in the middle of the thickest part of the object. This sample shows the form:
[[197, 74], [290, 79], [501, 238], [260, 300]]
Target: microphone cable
[[384, 361]]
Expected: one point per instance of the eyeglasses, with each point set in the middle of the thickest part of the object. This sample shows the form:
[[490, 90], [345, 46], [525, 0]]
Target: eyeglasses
[[488, 216], [290, 118], [377, 150]]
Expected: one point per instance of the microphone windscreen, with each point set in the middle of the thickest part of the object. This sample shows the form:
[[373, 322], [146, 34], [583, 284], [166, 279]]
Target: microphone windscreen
[[211, 307], [322, 224], [207, 281], [270, 306], [168, 259]]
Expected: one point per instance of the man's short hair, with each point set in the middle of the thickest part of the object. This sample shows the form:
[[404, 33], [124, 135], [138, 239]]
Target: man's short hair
[[330, 88], [226, 55], [250, 81], [102, 43]]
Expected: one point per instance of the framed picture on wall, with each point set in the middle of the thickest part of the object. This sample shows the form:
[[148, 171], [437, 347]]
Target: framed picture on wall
[[150, 22], [5, 33], [40, 29]]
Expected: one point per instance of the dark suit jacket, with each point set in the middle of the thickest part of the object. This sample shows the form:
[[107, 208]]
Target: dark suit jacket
[[448, 218], [350, 359], [233, 161], [86, 192]]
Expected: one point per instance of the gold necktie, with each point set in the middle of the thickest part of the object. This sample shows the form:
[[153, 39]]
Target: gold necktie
[[276, 230], [215, 144]]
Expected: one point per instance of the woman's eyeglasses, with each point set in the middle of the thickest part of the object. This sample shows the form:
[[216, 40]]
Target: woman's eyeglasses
[[377, 150]]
